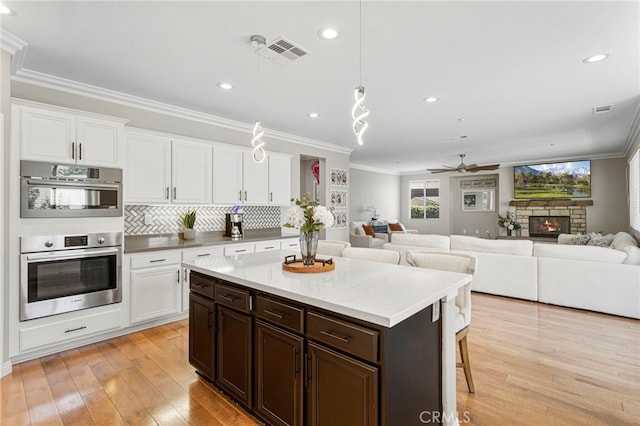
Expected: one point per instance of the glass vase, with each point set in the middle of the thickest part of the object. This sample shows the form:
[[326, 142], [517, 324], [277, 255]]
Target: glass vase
[[508, 232], [308, 247]]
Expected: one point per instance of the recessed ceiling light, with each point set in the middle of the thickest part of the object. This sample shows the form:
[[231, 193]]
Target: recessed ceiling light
[[328, 33], [430, 99], [5, 10], [595, 58], [313, 115], [224, 85]]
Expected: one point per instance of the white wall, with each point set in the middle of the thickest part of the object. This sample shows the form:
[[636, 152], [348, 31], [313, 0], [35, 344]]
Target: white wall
[[380, 190]]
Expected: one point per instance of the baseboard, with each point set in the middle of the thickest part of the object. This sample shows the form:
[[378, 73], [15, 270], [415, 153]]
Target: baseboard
[[6, 369]]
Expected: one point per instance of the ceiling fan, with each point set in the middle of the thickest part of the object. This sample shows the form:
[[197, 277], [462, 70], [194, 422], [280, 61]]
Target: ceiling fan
[[463, 168]]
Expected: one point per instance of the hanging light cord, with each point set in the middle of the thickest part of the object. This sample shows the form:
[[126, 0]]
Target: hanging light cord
[[359, 112], [258, 153]]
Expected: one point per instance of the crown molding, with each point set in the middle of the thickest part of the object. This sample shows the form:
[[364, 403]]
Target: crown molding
[[81, 89], [372, 169], [15, 47]]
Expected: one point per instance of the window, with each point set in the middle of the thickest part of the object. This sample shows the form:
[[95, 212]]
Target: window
[[634, 191], [425, 199]]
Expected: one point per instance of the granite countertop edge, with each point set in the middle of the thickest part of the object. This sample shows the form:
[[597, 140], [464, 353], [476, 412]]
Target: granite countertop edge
[[155, 242]]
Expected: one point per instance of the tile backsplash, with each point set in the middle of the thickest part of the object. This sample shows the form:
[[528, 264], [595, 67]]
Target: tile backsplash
[[166, 219]]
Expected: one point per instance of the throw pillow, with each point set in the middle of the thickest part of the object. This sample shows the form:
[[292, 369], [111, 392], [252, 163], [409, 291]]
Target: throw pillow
[[601, 240], [368, 230], [395, 227], [359, 231], [580, 240]]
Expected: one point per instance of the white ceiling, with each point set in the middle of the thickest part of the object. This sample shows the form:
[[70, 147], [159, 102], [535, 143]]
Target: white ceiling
[[509, 75]]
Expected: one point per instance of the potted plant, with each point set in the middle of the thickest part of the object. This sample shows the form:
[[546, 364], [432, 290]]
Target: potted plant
[[189, 220]]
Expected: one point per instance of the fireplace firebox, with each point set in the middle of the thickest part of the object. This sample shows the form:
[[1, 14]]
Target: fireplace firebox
[[549, 226]]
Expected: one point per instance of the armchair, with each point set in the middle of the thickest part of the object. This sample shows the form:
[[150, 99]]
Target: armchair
[[358, 237]]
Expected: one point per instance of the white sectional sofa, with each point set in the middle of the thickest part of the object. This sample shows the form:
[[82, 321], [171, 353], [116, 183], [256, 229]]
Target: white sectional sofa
[[600, 279]]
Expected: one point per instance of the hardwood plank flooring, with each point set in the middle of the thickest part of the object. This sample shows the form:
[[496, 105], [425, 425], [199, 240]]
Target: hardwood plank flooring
[[532, 364]]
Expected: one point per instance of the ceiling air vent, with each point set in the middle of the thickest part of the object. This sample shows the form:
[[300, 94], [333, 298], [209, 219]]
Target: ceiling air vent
[[602, 109], [283, 51]]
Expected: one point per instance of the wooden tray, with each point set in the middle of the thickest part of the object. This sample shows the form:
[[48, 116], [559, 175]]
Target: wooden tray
[[291, 264]]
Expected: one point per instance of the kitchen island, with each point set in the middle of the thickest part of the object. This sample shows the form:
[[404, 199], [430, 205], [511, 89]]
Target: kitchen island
[[366, 343]]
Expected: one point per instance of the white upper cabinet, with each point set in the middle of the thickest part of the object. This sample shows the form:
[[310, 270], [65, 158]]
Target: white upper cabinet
[[227, 175], [164, 171], [148, 170], [237, 178], [279, 180], [255, 180], [191, 172], [61, 135]]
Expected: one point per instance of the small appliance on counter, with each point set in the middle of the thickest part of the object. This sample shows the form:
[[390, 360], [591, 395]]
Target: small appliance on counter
[[233, 226]]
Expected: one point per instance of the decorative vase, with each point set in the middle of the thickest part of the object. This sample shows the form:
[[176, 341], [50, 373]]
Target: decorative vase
[[308, 247], [189, 234], [509, 232]]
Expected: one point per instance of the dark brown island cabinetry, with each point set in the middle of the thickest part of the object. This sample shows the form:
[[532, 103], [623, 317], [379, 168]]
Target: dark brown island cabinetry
[[290, 363]]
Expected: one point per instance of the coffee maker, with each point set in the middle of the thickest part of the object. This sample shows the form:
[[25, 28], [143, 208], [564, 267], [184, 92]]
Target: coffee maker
[[233, 226]]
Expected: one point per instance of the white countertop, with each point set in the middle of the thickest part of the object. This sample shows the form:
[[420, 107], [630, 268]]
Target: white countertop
[[376, 292]]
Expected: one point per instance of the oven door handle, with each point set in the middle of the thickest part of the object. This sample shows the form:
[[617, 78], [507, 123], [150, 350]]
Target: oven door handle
[[79, 254], [62, 183]]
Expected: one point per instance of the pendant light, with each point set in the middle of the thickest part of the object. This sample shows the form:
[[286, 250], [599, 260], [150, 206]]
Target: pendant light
[[258, 154], [359, 112]]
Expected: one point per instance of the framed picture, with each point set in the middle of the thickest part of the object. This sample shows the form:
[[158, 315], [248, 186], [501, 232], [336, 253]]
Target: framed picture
[[481, 200], [338, 199], [339, 219], [339, 177]]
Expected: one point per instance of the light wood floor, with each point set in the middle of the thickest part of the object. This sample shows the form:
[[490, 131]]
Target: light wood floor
[[532, 364]]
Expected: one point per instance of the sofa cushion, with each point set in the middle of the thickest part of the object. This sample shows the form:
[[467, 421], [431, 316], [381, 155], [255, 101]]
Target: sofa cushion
[[576, 240], [622, 240], [633, 255], [396, 227], [514, 247], [358, 231], [422, 240], [587, 253], [368, 230]]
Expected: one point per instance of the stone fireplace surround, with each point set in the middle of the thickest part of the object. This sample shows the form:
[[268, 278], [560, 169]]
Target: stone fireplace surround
[[575, 209]]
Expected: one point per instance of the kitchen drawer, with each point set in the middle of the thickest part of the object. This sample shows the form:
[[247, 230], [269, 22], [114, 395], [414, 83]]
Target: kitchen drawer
[[199, 283], [151, 260], [351, 338], [234, 249], [267, 245], [282, 314], [189, 255], [290, 244], [233, 297], [62, 331]]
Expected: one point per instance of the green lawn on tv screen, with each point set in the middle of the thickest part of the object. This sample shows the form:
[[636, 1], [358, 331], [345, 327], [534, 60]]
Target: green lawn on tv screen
[[553, 191]]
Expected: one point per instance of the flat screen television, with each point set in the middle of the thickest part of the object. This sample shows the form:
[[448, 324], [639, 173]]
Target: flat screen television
[[571, 179]]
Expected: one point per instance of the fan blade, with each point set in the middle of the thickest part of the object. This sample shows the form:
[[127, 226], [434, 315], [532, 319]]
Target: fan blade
[[471, 166], [480, 168], [450, 169]]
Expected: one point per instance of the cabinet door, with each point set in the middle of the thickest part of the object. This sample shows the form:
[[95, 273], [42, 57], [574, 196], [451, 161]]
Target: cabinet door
[[341, 390], [255, 180], [227, 176], [279, 180], [234, 354], [279, 373], [97, 142], [148, 171], [202, 334], [191, 172], [155, 292], [47, 135]]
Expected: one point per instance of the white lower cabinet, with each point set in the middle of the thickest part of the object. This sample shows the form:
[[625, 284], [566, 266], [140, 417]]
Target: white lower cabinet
[[290, 244], [267, 246], [156, 285], [53, 331], [240, 248]]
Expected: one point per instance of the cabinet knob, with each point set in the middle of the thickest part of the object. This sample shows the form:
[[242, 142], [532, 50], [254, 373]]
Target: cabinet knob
[[100, 240], [48, 244]]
